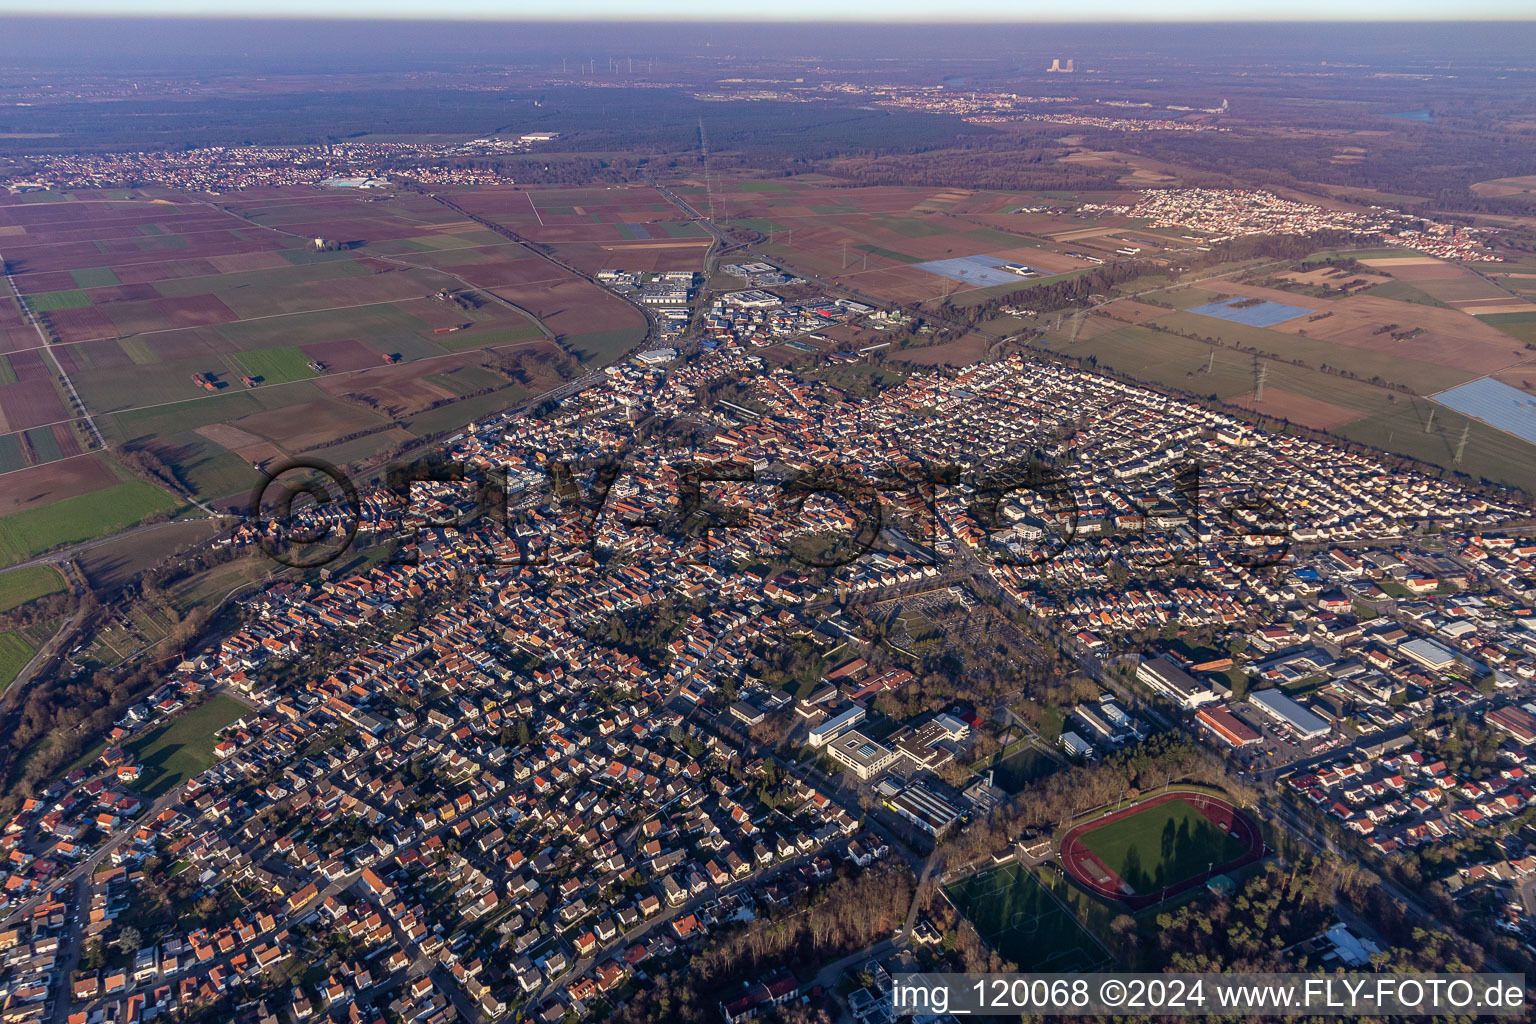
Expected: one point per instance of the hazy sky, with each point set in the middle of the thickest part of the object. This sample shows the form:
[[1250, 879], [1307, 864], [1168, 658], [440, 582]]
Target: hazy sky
[[782, 10]]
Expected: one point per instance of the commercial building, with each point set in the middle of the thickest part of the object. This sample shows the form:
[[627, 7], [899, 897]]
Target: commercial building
[[1227, 727], [1289, 713], [1432, 654]]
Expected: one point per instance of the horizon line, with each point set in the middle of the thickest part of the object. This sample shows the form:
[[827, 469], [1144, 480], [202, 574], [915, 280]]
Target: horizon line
[[227, 15]]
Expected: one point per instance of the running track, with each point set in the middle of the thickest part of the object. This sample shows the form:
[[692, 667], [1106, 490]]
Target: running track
[[1097, 878]]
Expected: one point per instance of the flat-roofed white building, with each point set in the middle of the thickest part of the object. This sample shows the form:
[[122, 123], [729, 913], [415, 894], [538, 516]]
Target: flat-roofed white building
[[1076, 745], [866, 757], [1174, 683], [1432, 654], [1288, 712], [832, 728]]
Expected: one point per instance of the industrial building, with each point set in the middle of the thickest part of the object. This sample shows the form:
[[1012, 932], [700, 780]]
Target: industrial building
[[1432, 654], [1516, 721]]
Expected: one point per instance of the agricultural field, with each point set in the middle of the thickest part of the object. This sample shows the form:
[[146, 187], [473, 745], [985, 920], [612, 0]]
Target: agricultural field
[[1453, 285], [876, 239], [20, 586], [1018, 917], [15, 653], [80, 518], [176, 751], [222, 336], [1359, 366]]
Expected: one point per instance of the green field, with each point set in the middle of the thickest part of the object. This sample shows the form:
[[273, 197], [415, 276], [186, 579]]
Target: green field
[[183, 747], [459, 340], [1161, 845], [761, 225], [276, 365], [890, 254], [1018, 917], [45, 446], [45, 302], [1517, 325], [603, 347], [910, 227], [762, 186], [19, 586], [95, 277], [86, 517], [11, 456], [1402, 291], [681, 229], [15, 652]]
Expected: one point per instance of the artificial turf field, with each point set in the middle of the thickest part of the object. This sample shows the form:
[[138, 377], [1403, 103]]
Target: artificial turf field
[[1162, 845], [1015, 915]]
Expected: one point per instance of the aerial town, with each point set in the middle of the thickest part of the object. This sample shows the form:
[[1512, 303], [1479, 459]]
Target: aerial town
[[644, 522], [531, 764]]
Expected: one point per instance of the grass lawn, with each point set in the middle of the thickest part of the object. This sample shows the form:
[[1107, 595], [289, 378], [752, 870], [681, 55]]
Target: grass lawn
[[15, 652], [1018, 917], [1161, 845], [865, 380], [183, 747], [22, 585]]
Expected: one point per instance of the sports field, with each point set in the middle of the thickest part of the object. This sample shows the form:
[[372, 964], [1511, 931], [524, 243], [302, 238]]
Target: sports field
[[1015, 915], [1161, 846], [183, 747], [1158, 848]]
